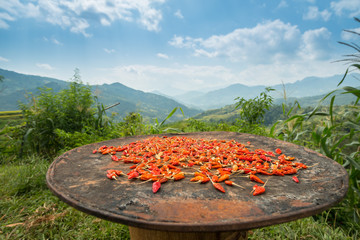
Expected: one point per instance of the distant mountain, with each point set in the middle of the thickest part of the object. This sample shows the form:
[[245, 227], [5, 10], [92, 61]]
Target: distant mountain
[[229, 113], [311, 86], [16, 87], [219, 98], [308, 92]]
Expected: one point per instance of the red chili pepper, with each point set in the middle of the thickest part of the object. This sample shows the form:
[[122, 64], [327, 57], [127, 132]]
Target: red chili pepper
[[295, 179], [179, 176], [278, 151], [223, 178], [291, 171], [219, 187], [156, 186], [255, 178], [197, 179], [161, 159], [133, 175], [258, 190], [111, 175], [215, 178]]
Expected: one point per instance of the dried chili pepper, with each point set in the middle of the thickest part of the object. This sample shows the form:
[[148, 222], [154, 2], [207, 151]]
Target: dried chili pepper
[[295, 179], [223, 178], [231, 183], [258, 190], [278, 151], [159, 159], [156, 186], [255, 178]]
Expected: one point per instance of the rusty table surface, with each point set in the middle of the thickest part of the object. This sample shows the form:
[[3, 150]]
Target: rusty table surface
[[78, 177]]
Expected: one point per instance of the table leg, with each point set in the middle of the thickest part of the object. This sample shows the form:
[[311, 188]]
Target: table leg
[[145, 234]]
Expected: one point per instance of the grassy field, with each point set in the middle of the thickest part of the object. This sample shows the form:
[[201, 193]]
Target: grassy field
[[28, 210], [10, 114]]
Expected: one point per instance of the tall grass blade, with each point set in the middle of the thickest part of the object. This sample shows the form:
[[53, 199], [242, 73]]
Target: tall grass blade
[[353, 162], [331, 110], [170, 115], [352, 90]]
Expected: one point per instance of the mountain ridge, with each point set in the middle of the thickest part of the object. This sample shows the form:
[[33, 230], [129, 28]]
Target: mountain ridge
[[307, 87], [16, 87]]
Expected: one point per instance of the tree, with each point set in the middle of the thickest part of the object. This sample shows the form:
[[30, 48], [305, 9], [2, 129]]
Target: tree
[[69, 111], [252, 111]]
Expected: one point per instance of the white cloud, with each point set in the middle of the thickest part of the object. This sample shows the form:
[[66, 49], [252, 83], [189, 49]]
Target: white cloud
[[2, 59], [314, 44], [178, 14], [105, 22], [170, 79], [79, 15], [109, 51], [53, 40], [57, 42], [80, 26], [351, 7], [45, 66], [179, 78], [4, 18], [162, 55], [282, 4], [313, 13], [267, 42]]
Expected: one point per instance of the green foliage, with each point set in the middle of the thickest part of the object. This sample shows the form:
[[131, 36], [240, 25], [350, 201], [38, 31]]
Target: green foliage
[[157, 127], [194, 125], [305, 229], [51, 118], [28, 210], [11, 136], [253, 110], [132, 125], [335, 135]]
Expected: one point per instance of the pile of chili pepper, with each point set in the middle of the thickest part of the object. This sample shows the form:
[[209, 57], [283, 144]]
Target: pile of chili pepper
[[163, 159]]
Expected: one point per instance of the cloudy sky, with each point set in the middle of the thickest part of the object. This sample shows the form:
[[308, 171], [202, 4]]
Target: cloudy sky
[[177, 45]]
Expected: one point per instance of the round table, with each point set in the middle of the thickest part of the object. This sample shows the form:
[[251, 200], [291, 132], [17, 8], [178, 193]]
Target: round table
[[184, 210]]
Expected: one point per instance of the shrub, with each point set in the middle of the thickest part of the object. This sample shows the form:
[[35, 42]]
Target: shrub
[[51, 117]]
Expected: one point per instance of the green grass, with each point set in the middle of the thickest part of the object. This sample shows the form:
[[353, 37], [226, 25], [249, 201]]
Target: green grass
[[28, 210], [306, 228], [11, 114]]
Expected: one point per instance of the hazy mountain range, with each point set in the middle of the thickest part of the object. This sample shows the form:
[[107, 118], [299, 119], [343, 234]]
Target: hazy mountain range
[[17, 86], [308, 87]]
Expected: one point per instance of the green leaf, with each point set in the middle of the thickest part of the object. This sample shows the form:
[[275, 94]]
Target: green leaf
[[331, 110], [352, 161], [354, 143], [273, 127], [300, 117], [346, 72], [324, 147], [170, 115], [352, 90]]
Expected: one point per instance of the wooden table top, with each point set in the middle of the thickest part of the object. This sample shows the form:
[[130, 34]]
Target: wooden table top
[[78, 177]]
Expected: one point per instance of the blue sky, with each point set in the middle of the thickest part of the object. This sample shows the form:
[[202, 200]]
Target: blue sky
[[177, 45]]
